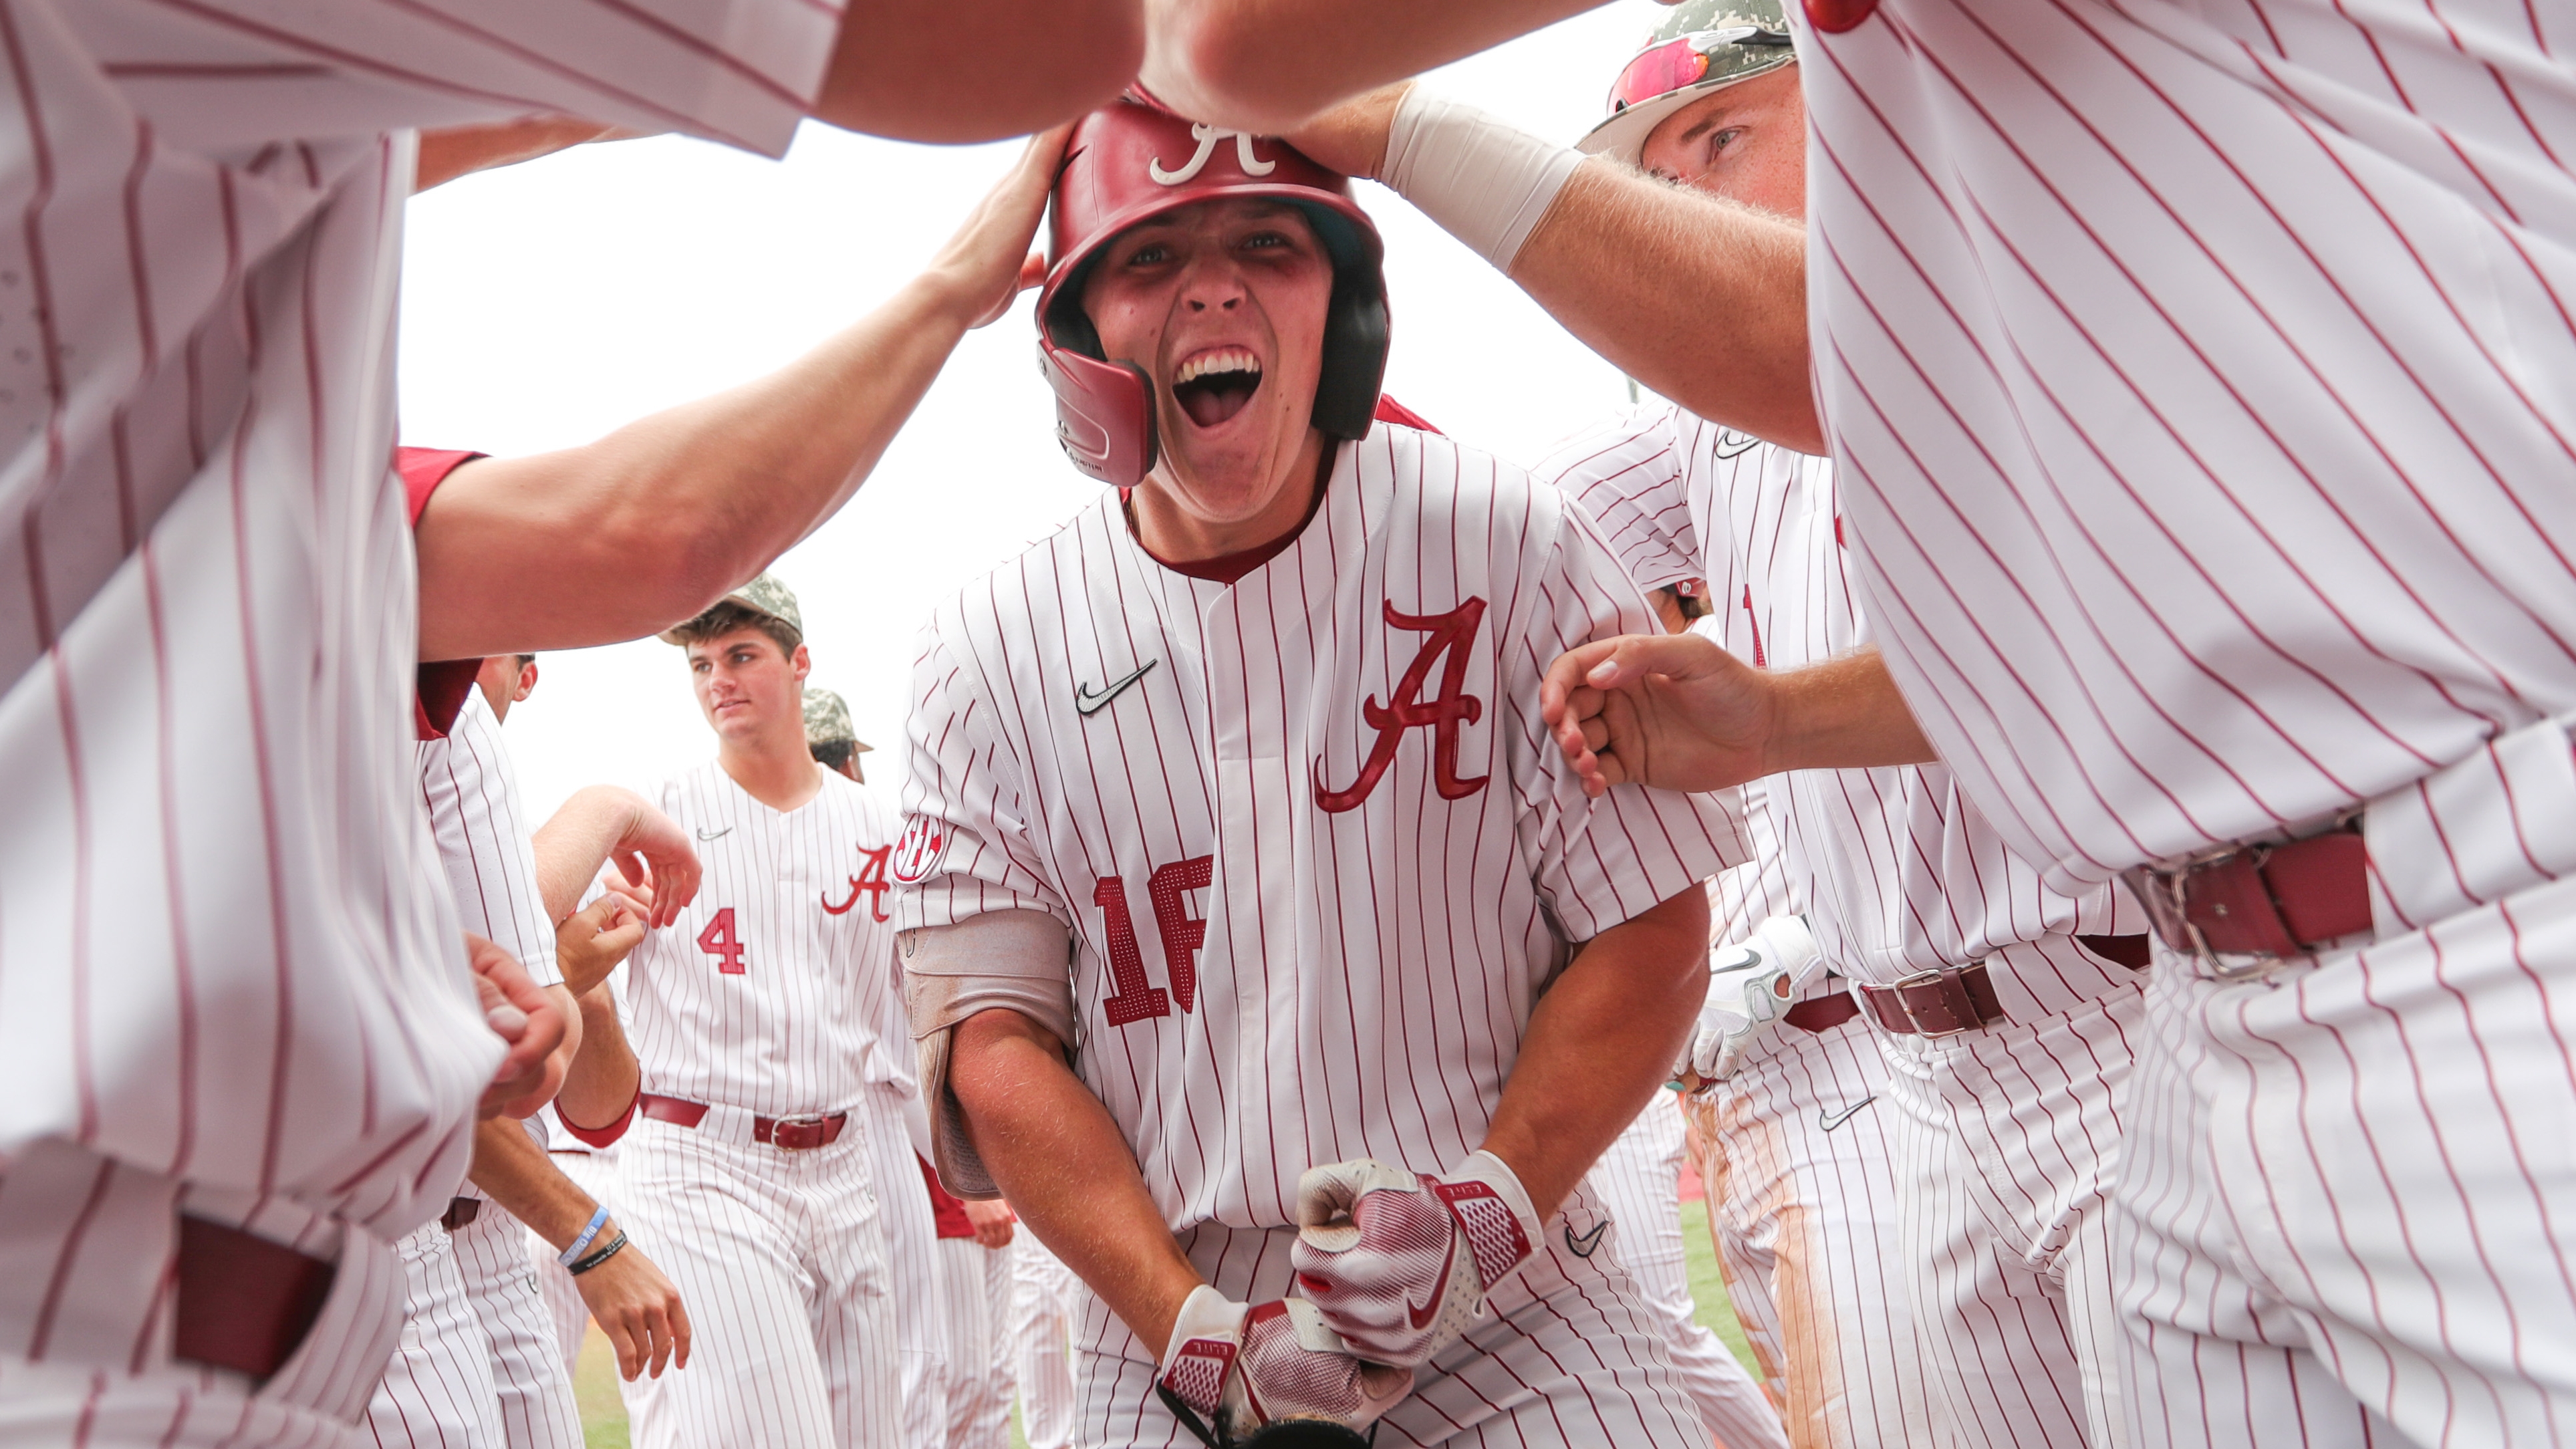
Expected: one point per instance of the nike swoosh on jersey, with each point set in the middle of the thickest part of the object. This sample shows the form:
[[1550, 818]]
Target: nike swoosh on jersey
[[705, 835], [1087, 701], [1831, 1120], [1588, 1244], [1731, 443]]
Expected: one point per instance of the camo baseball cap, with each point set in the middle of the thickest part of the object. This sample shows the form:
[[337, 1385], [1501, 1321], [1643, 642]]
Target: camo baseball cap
[[827, 721], [763, 595], [1702, 46]]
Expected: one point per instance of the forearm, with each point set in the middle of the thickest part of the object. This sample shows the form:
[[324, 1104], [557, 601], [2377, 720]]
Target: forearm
[[1058, 1157], [652, 523], [895, 69], [577, 841], [1702, 300], [516, 1173], [604, 1076], [1844, 713], [1264, 65], [1600, 1044]]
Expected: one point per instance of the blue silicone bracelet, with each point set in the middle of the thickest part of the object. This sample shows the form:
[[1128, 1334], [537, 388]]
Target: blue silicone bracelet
[[572, 1255]]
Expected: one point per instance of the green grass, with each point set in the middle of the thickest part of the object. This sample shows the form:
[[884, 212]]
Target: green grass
[[603, 1414]]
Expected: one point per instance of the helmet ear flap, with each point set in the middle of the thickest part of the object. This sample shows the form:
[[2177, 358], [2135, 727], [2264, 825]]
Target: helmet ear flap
[[1104, 414], [1356, 334]]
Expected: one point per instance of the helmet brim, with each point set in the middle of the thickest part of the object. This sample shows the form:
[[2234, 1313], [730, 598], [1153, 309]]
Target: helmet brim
[[1624, 134]]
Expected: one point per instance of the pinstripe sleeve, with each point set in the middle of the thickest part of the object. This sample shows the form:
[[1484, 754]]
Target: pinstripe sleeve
[[1741, 899], [220, 74], [472, 795], [1627, 473], [1599, 862], [964, 848]]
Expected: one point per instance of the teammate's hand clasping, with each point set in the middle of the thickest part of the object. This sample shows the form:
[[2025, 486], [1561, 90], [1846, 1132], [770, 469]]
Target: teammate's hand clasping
[[1234, 1369], [521, 1014], [1751, 986], [1399, 1265], [639, 1311], [592, 940], [1673, 710]]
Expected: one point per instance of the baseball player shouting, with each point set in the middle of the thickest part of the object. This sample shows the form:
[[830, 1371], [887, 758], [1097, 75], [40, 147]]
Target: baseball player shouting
[[746, 1171], [1255, 941]]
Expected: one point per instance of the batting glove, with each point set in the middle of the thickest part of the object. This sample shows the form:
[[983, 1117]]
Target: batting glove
[[1400, 1264], [1270, 1375], [1751, 985]]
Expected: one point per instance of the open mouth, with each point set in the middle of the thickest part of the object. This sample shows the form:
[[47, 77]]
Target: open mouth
[[1214, 385]]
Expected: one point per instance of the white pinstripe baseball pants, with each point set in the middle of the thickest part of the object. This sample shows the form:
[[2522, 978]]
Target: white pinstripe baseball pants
[[1564, 1354], [529, 1376], [437, 1392], [2003, 1143], [1639, 1180], [781, 1261], [975, 1299], [912, 1261], [1805, 1215], [1046, 1307]]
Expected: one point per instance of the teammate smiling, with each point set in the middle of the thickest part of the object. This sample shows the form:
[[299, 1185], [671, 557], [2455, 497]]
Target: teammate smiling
[[1255, 737]]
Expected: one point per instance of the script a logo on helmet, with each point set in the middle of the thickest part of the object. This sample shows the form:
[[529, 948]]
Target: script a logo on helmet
[[1209, 137]]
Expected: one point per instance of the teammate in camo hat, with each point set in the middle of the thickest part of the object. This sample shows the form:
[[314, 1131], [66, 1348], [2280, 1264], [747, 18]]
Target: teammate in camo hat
[[828, 734], [1703, 46], [765, 595]]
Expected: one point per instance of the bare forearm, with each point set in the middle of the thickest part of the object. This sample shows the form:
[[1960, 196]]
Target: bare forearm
[[576, 842], [652, 523], [1265, 65], [1845, 713], [1700, 299], [896, 69], [516, 1173], [1058, 1157], [605, 1076], [1599, 1046]]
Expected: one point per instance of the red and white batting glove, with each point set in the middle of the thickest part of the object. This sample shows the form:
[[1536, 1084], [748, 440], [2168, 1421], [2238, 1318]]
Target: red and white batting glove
[[1272, 1373], [1400, 1264]]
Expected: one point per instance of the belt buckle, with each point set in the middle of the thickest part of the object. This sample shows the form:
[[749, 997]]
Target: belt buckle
[[809, 1126], [1934, 976], [2160, 889]]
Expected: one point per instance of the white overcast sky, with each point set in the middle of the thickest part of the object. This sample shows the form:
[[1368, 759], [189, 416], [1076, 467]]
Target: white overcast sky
[[546, 304]]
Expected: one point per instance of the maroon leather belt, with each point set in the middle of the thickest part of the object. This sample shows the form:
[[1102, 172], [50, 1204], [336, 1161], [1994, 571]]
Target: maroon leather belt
[[1822, 1013], [244, 1303], [460, 1211], [1935, 1003], [2246, 909], [787, 1134]]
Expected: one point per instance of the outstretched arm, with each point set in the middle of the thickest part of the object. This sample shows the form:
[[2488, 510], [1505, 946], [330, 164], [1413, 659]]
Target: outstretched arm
[[601, 823], [1265, 65], [1701, 299], [627, 1296], [1677, 711], [1056, 1154], [647, 526]]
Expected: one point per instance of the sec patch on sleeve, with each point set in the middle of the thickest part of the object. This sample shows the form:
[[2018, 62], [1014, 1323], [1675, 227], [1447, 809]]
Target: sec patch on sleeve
[[917, 853]]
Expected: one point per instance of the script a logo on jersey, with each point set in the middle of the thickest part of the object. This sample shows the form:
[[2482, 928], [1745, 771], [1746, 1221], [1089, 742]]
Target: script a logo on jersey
[[1451, 634], [870, 879], [918, 851]]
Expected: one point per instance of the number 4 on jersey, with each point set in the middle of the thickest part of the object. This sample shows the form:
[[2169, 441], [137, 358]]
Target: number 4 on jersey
[[719, 941]]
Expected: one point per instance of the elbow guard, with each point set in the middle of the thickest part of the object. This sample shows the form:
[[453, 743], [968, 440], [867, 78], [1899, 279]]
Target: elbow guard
[[1007, 960]]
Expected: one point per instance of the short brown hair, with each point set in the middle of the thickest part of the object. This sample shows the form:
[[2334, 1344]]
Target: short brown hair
[[729, 615]]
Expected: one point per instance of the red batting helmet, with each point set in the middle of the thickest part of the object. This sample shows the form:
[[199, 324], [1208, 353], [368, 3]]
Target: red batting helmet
[[1129, 162]]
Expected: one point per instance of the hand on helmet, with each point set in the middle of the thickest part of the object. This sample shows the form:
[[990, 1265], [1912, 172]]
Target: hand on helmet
[[1751, 985], [1399, 1264], [1233, 1370]]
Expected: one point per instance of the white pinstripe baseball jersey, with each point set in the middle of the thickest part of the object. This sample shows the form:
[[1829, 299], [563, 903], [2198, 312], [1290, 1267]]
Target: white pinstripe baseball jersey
[[484, 842], [768, 991], [2204, 386], [1897, 872], [1315, 848], [207, 835]]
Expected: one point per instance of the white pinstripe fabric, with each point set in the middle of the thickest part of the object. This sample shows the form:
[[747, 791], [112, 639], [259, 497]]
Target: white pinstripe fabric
[[437, 1392], [975, 1307], [1046, 1305], [781, 1261], [912, 1265], [529, 1376], [1639, 1181], [2202, 375], [1795, 1161], [1362, 976], [249, 980], [1902, 875]]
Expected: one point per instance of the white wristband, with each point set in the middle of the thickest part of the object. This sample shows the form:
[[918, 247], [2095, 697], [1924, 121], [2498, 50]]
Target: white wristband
[[1487, 183]]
